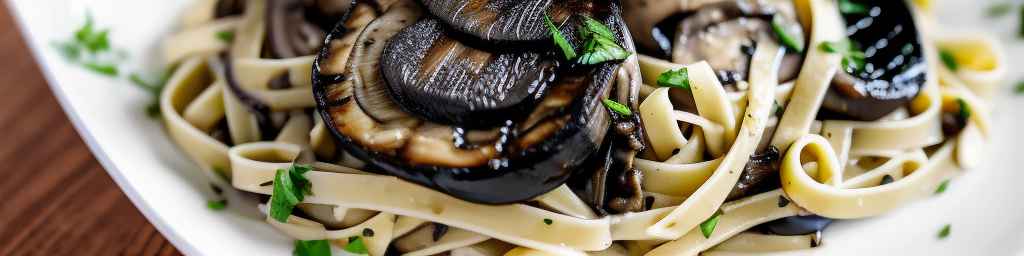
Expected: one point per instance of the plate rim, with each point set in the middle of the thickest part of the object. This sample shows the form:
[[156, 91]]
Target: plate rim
[[97, 152]]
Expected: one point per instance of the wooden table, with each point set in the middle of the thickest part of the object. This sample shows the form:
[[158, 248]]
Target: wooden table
[[57, 200]]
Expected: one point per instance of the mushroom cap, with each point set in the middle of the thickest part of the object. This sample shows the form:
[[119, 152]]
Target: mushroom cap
[[524, 158]]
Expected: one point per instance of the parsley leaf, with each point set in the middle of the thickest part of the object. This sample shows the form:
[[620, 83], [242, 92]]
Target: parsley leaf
[[90, 48], [600, 49], [679, 78], [217, 205], [792, 37], [600, 44], [942, 187], [290, 187], [1021, 21], [312, 248], [85, 32], [559, 39], [617, 107], [965, 109], [708, 226], [1020, 87], [999, 9], [853, 57], [948, 59], [100, 68], [595, 28], [226, 36], [944, 232], [356, 246], [849, 7], [548, 221], [68, 50]]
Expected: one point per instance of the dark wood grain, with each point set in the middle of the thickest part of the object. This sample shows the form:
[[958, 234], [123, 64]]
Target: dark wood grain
[[57, 199]]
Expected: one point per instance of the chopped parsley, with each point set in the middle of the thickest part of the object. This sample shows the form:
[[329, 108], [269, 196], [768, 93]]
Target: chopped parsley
[[965, 109], [617, 107], [944, 232], [312, 248], [90, 48], [356, 246], [548, 222], [226, 36], [290, 187], [678, 78], [853, 57], [154, 88], [948, 59], [560, 41], [1021, 21], [217, 205], [849, 7], [999, 10], [708, 226], [779, 109], [600, 45], [942, 187], [1020, 87], [101, 68], [789, 38]]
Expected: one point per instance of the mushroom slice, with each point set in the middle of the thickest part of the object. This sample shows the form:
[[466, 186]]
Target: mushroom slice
[[530, 154], [895, 68], [724, 34], [446, 81], [505, 20]]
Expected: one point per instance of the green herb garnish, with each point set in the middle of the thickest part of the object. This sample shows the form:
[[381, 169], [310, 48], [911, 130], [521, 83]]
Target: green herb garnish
[[965, 110], [90, 48], [999, 9], [1021, 21], [791, 39], [944, 232], [101, 68], [548, 222], [617, 107], [853, 57], [708, 226], [154, 89], [600, 45], [217, 205], [594, 28], [312, 248], [290, 187], [1020, 87], [226, 36], [356, 246], [849, 7], [779, 110], [948, 59], [560, 41], [678, 78], [942, 187]]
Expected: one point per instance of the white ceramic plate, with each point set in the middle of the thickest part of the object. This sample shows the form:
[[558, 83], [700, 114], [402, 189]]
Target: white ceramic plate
[[985, 206]]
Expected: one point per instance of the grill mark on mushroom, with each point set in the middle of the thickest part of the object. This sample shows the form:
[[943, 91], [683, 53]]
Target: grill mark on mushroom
[[532, 155]]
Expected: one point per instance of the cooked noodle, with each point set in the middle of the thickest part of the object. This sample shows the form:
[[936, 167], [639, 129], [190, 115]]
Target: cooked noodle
[[241, 111]]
